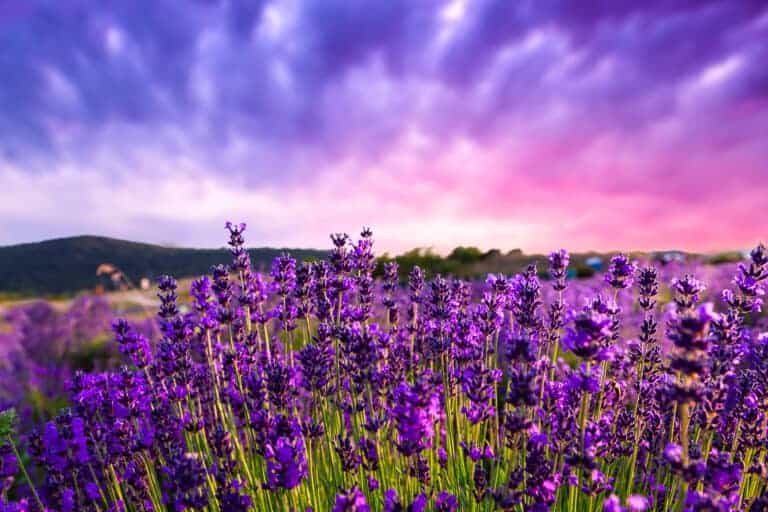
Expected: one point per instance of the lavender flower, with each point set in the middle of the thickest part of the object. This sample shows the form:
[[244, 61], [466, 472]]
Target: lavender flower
[[621, 272], [687, 291], [286, 465], [352, 500], [416, 408], [525, 299], [446, 502], [588, 335]]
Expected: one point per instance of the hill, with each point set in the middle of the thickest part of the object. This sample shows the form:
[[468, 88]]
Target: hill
[[68, 265]]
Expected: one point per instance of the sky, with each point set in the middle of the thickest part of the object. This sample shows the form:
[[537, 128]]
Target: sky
[[535, 124]]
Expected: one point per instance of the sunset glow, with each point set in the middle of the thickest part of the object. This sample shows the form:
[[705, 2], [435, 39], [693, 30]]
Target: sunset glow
[[639, 126]]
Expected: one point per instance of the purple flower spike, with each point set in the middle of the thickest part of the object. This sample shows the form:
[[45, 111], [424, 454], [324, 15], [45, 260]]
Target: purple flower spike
[[352, 500], [621, 272]]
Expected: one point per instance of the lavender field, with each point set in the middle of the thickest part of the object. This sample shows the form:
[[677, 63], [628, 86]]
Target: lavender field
[[559, 306], [324, 386]]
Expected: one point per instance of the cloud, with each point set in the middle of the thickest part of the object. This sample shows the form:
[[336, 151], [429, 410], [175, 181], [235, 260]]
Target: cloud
[[458, 118]]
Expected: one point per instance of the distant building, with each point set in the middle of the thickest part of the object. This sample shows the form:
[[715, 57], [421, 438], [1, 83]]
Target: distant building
[[595, 263], [670, 257]]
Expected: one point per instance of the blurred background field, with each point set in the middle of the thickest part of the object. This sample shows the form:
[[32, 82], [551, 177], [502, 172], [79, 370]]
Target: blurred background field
[[60, 269]]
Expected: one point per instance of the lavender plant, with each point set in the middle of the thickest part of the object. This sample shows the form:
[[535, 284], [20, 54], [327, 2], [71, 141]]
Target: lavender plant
[[318, 388]]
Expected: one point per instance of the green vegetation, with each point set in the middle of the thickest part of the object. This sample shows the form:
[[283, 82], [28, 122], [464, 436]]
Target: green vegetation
[[725, 257], [458, 262]]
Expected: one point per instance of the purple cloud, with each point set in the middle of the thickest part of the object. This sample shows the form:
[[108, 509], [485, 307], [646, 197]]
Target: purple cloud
[[666, 102]]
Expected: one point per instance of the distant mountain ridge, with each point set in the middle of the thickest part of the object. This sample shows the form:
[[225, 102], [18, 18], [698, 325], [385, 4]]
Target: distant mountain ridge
[[68, 265]]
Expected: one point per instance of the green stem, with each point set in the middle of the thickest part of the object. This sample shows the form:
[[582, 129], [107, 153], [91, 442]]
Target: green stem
[[25, 473]]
